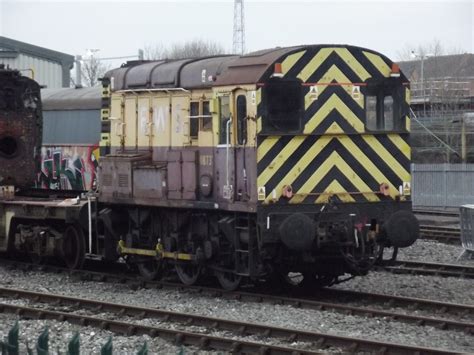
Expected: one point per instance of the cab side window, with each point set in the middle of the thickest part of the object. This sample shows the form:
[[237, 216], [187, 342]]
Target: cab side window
[[384, 106], [224, 116], [194, 120], [241, 119], [284, 106], [206, 119]]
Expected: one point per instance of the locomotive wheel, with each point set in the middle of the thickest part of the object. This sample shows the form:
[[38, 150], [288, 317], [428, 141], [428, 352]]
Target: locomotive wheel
[[228, 280], [188, 273], [73, 247], [150, 270]]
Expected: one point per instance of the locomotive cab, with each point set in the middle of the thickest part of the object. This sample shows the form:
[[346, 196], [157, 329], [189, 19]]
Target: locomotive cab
[[335, 181]]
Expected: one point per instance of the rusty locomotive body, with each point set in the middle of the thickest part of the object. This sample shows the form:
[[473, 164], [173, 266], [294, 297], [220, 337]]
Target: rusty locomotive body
[[20, 124], [284, 161]]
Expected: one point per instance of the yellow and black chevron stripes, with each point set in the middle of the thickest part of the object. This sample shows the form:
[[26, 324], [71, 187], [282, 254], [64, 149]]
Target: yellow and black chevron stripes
[[352, 167], [334, 71], [407, 100], [334, 154], [310, 65], [105, 119]]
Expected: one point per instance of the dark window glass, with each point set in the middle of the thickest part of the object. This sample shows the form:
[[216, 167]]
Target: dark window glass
[[206, 120], [284, 103], [381, 113], [194, 119], [371, 112], [224, 116], [388, 113], [385, 104], [241, 119]]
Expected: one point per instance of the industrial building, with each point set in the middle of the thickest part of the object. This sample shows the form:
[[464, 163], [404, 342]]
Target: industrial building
[[48, 67], [442, 100]]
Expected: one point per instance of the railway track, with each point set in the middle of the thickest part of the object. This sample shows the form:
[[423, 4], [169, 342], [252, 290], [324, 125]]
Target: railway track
[[446, 315], [433, 269], [315, 340], [446, 235]]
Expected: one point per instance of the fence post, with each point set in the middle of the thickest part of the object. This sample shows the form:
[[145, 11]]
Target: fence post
[[143, 350], [42, 346], [107, 348], [10, 347], [73, 348]]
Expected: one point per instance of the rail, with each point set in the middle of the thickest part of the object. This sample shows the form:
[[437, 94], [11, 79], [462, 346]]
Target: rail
[[328, 299], [203, 341]]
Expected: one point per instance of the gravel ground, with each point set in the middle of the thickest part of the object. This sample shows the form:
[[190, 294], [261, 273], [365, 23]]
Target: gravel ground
[[450, 289], [432, 251], [136, 342], [447, 289]]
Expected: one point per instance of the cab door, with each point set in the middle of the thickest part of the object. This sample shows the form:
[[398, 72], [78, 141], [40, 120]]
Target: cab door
[[241, 146], [224, 154]]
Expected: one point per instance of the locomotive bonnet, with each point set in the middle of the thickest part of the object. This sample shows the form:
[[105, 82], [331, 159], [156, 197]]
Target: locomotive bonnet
[[284, 160], [20, 128]]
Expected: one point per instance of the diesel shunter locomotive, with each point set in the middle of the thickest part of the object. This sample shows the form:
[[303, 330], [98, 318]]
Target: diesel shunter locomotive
[[279, 162]]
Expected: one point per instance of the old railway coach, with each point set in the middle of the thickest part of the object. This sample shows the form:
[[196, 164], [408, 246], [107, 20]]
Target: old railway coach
[[280, 161]]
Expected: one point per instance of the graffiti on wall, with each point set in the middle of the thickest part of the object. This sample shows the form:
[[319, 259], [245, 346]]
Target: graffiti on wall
[[68, 168]]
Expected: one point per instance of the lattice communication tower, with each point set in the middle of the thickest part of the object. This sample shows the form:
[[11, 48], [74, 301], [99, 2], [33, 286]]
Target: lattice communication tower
[[239, 29]]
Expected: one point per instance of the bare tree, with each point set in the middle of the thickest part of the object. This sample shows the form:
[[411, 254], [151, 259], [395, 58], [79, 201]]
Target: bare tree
[[93, 69], [434, 49], [154, 52], [190, 49]]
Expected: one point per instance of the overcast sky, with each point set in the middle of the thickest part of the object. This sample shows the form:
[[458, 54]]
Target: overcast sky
[[120, 28]]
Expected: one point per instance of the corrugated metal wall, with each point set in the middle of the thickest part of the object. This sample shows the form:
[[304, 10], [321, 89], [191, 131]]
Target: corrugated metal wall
[[442, 185], [46, 72], [71, 127]]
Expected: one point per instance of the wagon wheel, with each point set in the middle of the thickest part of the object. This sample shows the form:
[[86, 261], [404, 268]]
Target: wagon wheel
[[151, 269], [188, 273], [73, 247], [228, 280]]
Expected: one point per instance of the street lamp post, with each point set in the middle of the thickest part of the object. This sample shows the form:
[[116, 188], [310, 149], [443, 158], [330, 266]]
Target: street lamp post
[[422, 58]]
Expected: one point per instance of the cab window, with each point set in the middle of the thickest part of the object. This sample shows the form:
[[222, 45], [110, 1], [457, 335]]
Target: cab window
[[382, 113], [194, 120], [241, 119], [206, 119], [385, 106], [284, 103], [224, 116]]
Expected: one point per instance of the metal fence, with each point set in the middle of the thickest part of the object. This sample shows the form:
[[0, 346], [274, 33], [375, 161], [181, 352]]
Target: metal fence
[[11, 345], [442, 185]]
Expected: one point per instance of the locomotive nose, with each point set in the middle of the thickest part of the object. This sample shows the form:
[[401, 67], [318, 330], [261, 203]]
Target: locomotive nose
[[402, 229], [297, 232]]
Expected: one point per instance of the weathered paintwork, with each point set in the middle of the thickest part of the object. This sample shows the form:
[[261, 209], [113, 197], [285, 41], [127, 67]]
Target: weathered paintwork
[[20, 128]]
